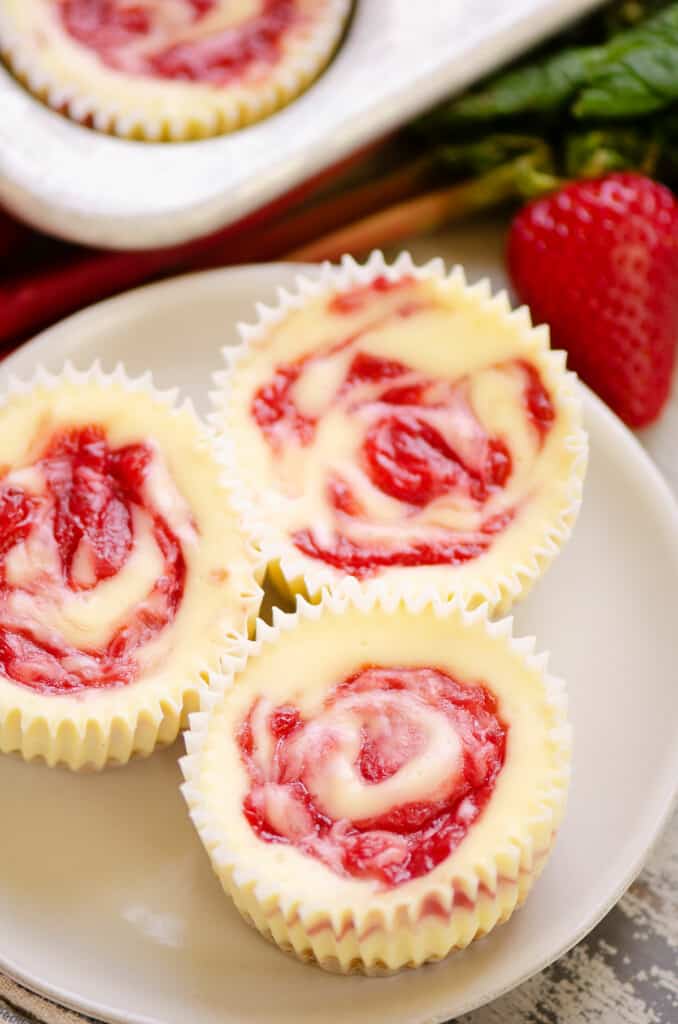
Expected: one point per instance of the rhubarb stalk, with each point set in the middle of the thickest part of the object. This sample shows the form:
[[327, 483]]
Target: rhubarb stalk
[[429, 212]]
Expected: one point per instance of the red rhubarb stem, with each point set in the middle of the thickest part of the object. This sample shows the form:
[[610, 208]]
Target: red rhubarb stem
[[420, 215], [324, 215]]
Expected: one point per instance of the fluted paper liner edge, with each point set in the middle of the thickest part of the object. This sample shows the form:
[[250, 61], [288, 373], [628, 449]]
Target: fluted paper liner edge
[[292, 572], [139, 716], [369, 939]]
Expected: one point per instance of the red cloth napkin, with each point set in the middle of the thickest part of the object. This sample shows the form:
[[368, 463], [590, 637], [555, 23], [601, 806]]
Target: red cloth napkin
[[43, 279]]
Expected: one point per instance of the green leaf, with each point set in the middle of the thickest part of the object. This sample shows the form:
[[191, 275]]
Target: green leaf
[[634, 73], [639, 72], [535, 88]]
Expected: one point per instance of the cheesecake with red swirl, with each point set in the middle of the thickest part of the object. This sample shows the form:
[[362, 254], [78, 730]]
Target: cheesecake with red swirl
[[122, 575], [169, 69], [380, 785], [391, 423]]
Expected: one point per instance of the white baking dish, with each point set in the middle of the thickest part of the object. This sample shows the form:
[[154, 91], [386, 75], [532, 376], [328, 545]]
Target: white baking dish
[[398, 58]]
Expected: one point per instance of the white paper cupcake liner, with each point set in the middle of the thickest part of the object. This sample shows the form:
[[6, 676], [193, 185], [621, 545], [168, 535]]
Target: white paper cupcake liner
[[421, 920], [66, 77], [498, 586], [94, 727]]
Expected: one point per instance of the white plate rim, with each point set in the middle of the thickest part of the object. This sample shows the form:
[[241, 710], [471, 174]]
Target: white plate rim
[[136, 300]]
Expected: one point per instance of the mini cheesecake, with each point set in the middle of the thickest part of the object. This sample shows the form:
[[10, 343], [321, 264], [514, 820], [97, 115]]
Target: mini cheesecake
[[169, 69], [393, 424], [380, 785], [122, 574]]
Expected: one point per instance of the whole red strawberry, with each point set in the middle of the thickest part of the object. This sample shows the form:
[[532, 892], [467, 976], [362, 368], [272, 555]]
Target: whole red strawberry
[[598, 262]]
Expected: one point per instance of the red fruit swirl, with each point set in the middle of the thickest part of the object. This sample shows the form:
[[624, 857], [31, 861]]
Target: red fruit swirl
[[78, 528], [422, 444], [172, 42], [385, 781]]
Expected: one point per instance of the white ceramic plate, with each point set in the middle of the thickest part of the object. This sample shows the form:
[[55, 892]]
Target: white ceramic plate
[[399, 58], [107, 902]]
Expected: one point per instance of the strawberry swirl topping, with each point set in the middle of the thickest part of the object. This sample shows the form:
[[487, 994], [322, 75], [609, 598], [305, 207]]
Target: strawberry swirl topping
[[384, 782], [92, 562], [183, 40], [399, 463]]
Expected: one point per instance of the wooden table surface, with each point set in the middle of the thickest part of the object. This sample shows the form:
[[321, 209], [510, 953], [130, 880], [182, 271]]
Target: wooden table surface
[[626, 970]]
